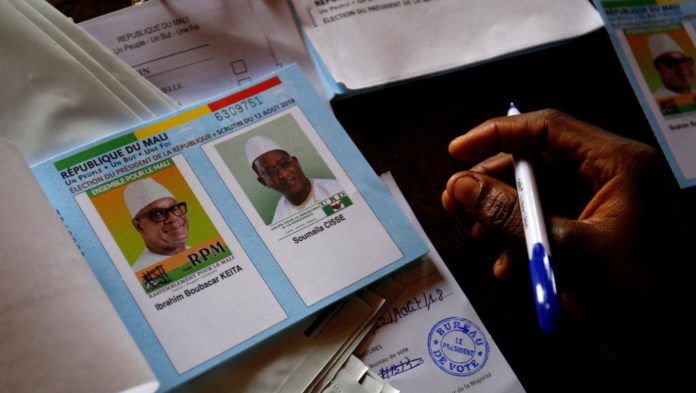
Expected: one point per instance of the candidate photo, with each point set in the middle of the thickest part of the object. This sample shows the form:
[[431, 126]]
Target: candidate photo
[[282, 172], [159, 218], [673, 64], [666, 61], [279, 169], [156, 220]]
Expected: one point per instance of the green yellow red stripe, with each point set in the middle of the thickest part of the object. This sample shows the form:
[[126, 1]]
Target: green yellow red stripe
[[172, 122]]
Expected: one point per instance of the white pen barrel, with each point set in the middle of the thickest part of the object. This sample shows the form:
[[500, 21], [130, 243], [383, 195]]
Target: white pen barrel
[[530, 206]]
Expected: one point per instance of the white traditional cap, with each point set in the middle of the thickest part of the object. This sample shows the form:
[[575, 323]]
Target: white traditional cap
[[662, 43], [143, 192], [257, 145]]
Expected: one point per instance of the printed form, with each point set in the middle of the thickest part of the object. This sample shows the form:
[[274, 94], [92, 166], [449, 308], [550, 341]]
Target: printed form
[[364, 43], [195, 50], [429, 338]]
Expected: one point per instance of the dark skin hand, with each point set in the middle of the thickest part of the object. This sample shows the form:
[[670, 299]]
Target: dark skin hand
[[620, 259]]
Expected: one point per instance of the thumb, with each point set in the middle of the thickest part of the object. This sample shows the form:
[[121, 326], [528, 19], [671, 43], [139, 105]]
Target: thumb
[[493, 203]]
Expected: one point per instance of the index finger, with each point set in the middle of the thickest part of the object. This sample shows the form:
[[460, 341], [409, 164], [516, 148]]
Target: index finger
[[561, 136]]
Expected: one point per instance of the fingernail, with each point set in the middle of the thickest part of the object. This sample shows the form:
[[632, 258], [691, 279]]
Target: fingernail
[[466, 191], [499, 269], [497, 266]]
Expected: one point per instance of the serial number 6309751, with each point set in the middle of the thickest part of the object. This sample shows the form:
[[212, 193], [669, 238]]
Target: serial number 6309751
[[237, 108]]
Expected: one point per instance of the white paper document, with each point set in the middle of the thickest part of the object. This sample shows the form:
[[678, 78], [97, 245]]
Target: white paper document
[[56, 329], [193, 50], [429, 338], [364, 43]]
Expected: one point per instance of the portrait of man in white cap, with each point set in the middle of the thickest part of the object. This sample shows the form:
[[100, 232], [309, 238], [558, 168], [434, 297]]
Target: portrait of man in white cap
[[673, 64], [160, 219], [278, 170]]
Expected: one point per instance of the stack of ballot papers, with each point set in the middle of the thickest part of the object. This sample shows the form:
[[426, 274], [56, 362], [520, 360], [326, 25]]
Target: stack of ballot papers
[[238, 273], [105, 325], [192, 49], [61, 88], [171, 325]]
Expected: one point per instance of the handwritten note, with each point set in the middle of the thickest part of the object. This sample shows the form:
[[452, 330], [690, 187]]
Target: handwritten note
[[404, 365], [420, 302]]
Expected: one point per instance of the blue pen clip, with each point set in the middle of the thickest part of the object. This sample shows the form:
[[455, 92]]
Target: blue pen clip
[[545, 295]]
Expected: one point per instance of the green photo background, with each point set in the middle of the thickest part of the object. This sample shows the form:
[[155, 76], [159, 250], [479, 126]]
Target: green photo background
[[288, 134]]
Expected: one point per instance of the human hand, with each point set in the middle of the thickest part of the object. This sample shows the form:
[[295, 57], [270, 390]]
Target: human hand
[[610, 258]]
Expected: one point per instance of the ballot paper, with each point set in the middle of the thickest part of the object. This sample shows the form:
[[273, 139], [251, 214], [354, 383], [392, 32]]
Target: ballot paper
[[641, 33], [193, 50], [222, 270], [430, 338], [366, 43]]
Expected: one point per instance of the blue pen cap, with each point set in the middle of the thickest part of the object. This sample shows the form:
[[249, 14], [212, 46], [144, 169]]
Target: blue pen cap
[[544, 287]]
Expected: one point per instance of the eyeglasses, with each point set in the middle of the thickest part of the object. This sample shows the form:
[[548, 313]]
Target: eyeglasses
[[273, 171], [671, 62], [159, 215]]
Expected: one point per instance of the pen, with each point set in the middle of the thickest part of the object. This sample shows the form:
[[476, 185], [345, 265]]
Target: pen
[[540, 269]]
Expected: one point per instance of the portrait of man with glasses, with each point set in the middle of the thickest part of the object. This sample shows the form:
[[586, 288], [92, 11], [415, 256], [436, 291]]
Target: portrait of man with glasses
[[673, 65], [160, 219], [278, 170]]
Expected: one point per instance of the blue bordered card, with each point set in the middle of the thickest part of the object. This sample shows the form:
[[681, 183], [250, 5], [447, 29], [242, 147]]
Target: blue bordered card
[[219, 225]]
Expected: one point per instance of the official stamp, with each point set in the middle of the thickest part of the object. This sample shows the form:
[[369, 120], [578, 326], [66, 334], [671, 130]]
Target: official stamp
[[458, 346]]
